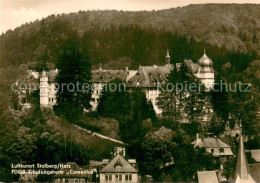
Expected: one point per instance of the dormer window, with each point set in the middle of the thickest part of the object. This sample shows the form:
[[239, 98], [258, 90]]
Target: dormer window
[[212, 150], [118, 165], [221, 150]]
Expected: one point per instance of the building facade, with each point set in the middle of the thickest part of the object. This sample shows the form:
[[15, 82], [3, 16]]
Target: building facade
[[148, 78]]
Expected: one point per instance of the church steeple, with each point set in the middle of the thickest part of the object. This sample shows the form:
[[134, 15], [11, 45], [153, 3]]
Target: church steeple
[[168, 57], [242, 169]]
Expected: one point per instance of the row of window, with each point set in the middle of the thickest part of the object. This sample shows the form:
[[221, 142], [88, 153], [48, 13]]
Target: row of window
[[118, 177], [220, 150]]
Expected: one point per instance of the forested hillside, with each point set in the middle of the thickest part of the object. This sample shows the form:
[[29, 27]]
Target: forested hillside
[[233, 26]]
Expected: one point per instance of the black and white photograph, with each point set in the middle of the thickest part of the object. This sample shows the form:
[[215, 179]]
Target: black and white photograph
[[130, 91]]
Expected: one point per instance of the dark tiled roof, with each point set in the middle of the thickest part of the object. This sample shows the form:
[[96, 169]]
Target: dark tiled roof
[[126, 167], [256, 154], [193, 67], [207, 177], [210, 142]]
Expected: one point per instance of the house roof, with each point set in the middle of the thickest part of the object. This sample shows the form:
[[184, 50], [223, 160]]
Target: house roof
[[125, 166], [210, 142], [207, 177], [145, 76], [256, 154], [149, 76], [213, 143], [193, 67]]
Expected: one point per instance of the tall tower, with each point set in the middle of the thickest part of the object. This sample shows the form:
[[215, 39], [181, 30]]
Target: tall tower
[[242, 170], [168, 58], [44, 89], [206, 71]]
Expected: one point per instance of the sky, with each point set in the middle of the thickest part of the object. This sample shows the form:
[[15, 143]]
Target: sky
[[14, 13]]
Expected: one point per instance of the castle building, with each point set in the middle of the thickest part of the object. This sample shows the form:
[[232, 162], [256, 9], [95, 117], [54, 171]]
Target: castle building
[[118, 169], [146, 77]]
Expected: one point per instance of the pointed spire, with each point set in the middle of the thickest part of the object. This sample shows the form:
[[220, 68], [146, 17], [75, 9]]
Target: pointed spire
[[242, 169], [204, 51]]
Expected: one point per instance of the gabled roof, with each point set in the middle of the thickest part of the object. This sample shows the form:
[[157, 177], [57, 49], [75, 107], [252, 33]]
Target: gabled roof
[[193, 67], [210, 142], [126, 167], [242, 169], [207, 177], [256, 154], [149, 76]]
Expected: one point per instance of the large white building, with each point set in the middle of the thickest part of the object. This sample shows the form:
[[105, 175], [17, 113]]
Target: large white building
[[146, 77]]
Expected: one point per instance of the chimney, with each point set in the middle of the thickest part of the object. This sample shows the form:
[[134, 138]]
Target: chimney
[[197, 136], [119, 150]]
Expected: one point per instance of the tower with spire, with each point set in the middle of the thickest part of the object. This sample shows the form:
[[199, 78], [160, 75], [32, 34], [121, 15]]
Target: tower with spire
[[242, 169], [205, 72]]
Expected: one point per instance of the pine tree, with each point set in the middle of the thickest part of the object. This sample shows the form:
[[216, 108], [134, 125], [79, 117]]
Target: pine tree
[[73, 79]]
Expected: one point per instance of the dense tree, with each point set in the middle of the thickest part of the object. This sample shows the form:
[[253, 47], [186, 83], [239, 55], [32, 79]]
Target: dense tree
[[73, 80], [169, 153], [182, 97], [130, 108]]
